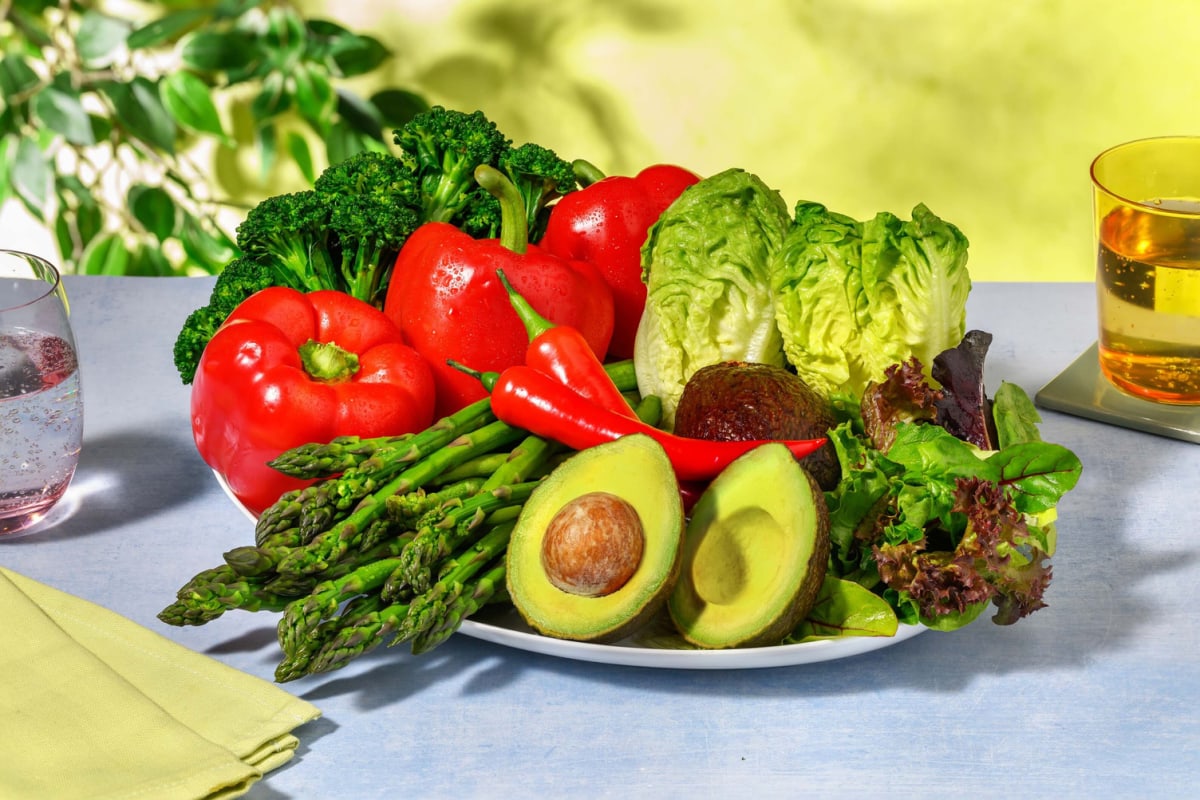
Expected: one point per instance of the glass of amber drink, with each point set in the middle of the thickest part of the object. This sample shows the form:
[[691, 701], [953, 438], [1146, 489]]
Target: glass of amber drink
[[1146, 197]]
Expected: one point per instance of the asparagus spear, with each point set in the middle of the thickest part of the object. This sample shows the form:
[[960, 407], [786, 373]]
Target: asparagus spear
[[486, 589], [302, 616], [357, 613], [428, 609], [436, 541], [326, 459], [206, 602], [332, 544]]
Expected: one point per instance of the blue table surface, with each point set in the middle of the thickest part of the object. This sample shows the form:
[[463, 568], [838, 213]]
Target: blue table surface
[[1093, 696]]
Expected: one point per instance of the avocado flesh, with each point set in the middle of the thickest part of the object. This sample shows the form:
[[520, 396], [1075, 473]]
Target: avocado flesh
[[637, 469], [754, 553]]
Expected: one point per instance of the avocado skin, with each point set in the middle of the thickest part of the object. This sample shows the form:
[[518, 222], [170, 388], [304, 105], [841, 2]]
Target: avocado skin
[[739, 400]]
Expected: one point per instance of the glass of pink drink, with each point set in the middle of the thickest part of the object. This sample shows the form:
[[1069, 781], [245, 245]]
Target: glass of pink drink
[[41, 405]]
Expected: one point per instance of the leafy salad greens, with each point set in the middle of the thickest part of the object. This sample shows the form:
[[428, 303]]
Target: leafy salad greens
[[936, 518]]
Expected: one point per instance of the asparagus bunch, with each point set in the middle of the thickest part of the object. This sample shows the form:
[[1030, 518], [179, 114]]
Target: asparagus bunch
[[398, 541]]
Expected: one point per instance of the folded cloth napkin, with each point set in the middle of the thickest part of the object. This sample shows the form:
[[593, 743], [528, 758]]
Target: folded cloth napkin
[[93, 705]]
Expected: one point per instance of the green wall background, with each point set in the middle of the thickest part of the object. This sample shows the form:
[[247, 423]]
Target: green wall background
[[988, 112]]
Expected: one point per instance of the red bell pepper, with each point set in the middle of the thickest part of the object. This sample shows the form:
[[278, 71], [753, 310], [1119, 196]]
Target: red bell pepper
[[605, 224], [288, 368], [451, 306], [532, 400]]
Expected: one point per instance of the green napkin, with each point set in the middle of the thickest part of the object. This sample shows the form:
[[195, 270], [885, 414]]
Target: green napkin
[[92, 705]]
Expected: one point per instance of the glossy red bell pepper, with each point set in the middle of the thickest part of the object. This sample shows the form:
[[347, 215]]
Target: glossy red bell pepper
[[605, 224], [288, 368], [451, 306]]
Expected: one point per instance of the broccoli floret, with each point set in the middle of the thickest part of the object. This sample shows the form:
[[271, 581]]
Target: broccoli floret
[[541, 177], [373, 204], [238, 280], [443, 147], [288, 234]]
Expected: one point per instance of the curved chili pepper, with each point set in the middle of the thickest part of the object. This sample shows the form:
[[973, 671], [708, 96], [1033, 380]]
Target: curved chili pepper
[[532, 400], [563, 353]]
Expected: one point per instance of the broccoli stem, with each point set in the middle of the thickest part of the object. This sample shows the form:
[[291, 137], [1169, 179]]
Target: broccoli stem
[[514, 228]]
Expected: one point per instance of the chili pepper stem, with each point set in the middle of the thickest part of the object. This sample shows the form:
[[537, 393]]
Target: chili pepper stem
[[535, 324]]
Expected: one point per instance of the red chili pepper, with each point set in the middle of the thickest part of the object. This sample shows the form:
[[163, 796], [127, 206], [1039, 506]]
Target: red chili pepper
[[605, 224], [532, 400], [289, 368], [447, 300], [563, 353]]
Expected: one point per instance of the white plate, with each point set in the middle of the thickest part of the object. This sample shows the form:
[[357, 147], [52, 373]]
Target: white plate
[[657, 646], [506, 628]]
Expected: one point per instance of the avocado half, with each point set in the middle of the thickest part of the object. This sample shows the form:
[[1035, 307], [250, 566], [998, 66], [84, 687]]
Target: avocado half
[[754, 554], [635, 469]]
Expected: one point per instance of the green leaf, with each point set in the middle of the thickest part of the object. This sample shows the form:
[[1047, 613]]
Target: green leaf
[[351, 53], [189, 99], [273, 99], [298, 148], [154, 209], [105, 255], [359, 114], [845, 608], [397, 106], [314, 97], [1015, 415], [6, 145], [210, 252], [341, 142], [285, 37], [16, 76], [1039, 473], [63, 112], [100, 37], [235, 8], [89, 221], [33, 24], [166, 28], [149, 262], [32, 177], [218, 51], [267, 138], [140, 110]]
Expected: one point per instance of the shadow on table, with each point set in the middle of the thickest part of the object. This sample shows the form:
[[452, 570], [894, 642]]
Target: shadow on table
[[131, 474]]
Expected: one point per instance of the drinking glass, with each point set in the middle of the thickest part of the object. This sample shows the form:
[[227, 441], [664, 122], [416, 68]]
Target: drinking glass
[[41, 405], [1146, 197]]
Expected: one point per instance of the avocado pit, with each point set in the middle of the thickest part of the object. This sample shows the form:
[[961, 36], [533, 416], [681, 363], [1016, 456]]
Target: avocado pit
[[593, 545]]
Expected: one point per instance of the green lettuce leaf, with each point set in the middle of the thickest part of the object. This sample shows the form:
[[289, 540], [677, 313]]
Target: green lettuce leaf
[[708, 294], [853, 298]]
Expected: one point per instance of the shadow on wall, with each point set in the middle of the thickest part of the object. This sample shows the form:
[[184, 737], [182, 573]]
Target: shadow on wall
[[989, 114], [521, 69]]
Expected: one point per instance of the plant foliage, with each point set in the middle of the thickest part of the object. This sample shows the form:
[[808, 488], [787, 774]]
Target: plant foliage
[[107, 122]]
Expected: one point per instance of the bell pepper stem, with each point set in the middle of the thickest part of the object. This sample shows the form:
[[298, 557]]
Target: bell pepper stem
[[325, 361], [586, 172], [514, 229]]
